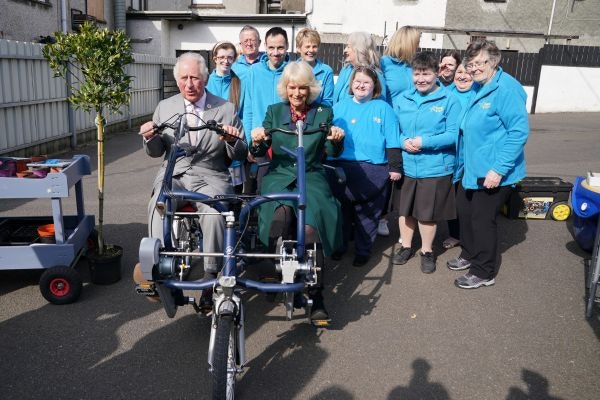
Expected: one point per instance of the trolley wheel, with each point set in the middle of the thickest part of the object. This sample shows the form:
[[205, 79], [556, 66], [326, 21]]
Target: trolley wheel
[[60, 285], [560, 211], [224, 360]]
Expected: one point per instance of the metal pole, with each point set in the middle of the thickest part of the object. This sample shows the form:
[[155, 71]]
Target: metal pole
[[551, 19]]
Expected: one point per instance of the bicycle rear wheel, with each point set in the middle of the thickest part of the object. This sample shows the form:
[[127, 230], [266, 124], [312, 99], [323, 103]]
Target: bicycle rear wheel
[[224, 360]]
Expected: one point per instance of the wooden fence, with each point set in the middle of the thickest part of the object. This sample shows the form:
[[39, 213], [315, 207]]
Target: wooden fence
[[34, 114]]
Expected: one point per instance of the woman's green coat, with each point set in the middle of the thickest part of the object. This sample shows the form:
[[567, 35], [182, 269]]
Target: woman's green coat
[[322, 208]]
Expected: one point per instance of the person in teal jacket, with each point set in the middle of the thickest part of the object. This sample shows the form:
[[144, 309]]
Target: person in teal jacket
[[360, 50], [249, 45], [371, 158], [395, 64], [261, 92], [495, 129], [298, 89], [264, 76], [223, 82], [307, 45], [461, 88], [429, 119]]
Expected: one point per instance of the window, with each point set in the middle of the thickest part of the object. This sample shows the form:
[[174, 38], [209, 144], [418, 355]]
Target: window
[[95, 8]]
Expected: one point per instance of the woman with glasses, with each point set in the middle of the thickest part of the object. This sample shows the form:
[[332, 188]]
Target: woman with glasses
[[495, 128], [429, 117], [223, 82], [371, 157]]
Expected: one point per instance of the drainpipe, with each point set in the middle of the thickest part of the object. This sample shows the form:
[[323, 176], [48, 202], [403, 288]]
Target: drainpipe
[[120, 14], [551, 19], [63, 16]]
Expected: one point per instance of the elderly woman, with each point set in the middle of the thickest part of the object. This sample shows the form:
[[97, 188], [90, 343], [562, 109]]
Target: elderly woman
[[461, 88], [360, 50], [371, 157], [298, 88], [428, 117], [495, 129]]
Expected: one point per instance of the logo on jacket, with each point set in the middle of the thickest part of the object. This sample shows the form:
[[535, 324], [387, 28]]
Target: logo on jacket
[[437, 109], [377, 120], [485, 105]]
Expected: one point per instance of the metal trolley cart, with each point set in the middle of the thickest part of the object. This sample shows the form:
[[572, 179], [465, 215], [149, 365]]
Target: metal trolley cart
[[20, 244]]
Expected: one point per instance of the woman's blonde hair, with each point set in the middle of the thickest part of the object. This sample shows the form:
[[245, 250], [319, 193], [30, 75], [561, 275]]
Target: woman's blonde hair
[[365, 49], [404, 43], [307, 35], [301, 73]]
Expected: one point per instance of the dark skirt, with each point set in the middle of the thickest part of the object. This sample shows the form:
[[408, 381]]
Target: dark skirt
[[426, 199]]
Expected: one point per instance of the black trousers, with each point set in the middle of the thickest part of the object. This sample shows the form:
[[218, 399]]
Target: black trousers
[[477, 214]]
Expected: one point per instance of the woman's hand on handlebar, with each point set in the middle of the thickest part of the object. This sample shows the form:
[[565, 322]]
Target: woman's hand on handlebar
[[259, 135], [148, 130], [336, 134], [232, 133]]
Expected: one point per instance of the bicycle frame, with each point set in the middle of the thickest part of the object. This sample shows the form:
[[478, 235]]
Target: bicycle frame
[[159, 263]]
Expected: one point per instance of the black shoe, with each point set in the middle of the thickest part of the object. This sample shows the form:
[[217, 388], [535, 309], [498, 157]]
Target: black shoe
[[206, 302], [403, 255], [359, 260], [318, 313], [427, 263], [337, 256]]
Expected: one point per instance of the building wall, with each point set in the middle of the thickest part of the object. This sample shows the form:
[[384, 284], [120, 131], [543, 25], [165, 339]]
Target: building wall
[[571, 17], [16, 20], [379, 17]]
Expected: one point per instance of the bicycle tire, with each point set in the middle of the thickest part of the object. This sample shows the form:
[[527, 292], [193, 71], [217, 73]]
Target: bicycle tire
[[224, 360]]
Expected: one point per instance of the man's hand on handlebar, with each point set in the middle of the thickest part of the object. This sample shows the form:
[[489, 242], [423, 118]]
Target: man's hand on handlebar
[[336, 134], [148, 130], [232, 133]]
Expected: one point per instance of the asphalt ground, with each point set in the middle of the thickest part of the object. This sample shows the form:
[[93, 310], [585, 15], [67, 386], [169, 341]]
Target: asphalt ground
[[396, 333]]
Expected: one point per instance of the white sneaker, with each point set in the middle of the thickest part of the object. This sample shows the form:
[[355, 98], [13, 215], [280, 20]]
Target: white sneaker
[[382, 229]]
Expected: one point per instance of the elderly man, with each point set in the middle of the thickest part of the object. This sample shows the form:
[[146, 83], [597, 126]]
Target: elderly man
[[205, 171]]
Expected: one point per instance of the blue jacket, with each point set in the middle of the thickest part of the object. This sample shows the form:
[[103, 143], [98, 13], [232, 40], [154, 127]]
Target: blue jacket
[[370, 128], [435, 118], [324, 74], [241, 66], [219, 86], [398, 77], [342, 85], [495, 129], [464, 98], [261, 92]]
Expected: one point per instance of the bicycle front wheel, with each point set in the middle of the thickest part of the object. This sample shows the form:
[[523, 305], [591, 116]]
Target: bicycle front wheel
[[224, 360]]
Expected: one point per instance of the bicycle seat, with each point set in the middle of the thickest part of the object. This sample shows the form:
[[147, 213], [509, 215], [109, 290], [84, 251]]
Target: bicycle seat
[[187, 207]]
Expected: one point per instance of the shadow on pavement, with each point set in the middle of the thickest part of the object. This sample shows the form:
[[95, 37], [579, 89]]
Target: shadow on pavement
[[537, 388], [420, 387]]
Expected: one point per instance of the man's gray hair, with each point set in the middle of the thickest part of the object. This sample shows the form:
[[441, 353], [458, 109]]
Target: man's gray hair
[[194, 57]]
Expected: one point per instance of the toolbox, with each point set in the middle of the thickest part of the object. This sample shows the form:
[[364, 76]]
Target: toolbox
[[540, 198]]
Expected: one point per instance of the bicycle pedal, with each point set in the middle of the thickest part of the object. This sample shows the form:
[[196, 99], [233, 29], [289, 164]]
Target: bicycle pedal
[[320, 323], [148, 290]]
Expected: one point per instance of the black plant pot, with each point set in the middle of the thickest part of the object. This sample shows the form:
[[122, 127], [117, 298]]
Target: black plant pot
[[106, 268]]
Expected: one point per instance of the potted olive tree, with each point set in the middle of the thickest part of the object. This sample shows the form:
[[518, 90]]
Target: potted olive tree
[[93, 63]]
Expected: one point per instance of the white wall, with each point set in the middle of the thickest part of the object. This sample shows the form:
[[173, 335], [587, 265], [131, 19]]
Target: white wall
[[379, 17], [568, 89]]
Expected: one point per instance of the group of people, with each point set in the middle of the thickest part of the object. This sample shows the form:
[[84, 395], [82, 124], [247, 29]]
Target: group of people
[[437, 140]]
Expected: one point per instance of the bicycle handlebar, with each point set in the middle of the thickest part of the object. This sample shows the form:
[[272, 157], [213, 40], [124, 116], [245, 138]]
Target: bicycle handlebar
[[323, 127]]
